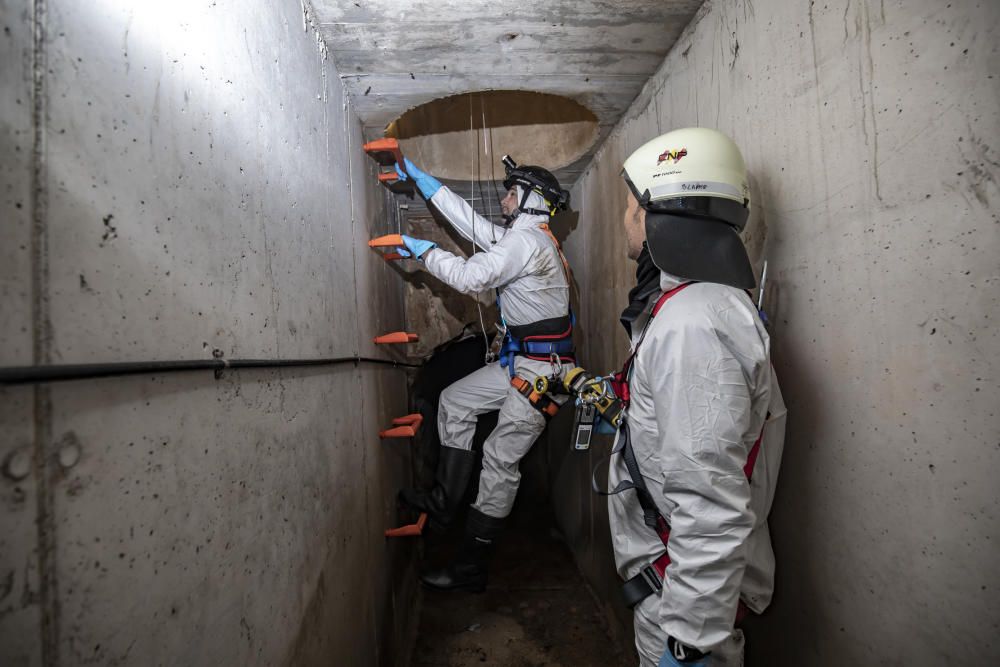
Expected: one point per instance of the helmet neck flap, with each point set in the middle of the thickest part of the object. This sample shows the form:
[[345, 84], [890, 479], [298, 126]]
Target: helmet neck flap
[[702, 249]]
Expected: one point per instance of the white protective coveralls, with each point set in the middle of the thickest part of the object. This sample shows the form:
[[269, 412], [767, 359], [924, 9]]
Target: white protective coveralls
[[525, 266], [701, 387]]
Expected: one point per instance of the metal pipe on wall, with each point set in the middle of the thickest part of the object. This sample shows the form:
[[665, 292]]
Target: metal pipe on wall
[[16, 375]]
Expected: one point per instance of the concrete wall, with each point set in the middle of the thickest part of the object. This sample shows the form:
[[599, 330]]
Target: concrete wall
[[870, 131], [189, 179]]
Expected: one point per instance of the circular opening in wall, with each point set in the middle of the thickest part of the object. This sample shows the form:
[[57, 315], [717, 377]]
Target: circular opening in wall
[[463, 137]]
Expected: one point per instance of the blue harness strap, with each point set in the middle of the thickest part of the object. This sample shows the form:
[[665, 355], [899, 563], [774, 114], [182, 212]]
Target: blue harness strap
[[540, 348]]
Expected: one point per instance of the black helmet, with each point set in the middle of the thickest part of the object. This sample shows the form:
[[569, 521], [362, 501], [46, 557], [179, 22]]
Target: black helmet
[[535, 179]]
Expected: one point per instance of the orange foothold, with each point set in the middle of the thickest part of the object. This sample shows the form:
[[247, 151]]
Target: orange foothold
[[387, 241], [384, 151], [409, 530], [392, 256], [396, 337], [413, 420], [397, 432], [383, 144]]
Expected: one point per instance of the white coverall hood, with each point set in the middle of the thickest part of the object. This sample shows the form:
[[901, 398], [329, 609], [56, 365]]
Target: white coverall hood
[[668, 281], [535, 201]]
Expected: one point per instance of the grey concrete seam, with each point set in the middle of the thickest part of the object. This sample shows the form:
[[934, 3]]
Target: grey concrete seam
[[354, 225], [42, 342], [357, 328]]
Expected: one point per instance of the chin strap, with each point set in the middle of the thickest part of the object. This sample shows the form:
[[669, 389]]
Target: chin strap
[[522, 207]]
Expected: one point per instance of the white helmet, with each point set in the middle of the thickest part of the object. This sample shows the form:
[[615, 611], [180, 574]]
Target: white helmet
[[693, 185]]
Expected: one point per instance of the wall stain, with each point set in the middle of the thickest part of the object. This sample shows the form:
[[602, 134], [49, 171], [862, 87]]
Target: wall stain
[[6, 588], [110, 231], [977, 173], [85, 286], [866, 85], [311, 629]]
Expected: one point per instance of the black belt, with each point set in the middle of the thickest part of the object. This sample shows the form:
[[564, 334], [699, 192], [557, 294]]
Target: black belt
[[641, 586], [648, 582], [550, 327]]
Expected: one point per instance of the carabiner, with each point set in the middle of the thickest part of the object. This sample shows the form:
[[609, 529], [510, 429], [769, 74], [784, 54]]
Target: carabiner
[[557, 366]]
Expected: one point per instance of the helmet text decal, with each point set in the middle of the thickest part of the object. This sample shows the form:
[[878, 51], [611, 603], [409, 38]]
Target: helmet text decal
[[674, 155]]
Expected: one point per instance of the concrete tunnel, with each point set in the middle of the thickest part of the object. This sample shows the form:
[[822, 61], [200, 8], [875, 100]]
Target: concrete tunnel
[[192, 397]]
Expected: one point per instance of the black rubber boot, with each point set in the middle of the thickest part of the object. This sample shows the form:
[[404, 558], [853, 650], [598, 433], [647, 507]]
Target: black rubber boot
[[441, 502], [469, 571]]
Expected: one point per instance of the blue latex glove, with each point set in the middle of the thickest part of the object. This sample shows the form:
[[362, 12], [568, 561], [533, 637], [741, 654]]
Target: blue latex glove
[[427, 184], [415, 247], [669, 660]]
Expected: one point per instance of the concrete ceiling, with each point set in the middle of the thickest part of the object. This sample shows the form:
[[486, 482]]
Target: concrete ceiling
[[394, 55]]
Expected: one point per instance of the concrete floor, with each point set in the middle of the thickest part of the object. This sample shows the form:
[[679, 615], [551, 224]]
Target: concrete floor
[[536, 611]]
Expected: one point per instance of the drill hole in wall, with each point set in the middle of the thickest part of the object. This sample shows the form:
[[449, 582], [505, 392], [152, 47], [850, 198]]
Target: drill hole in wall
[[446, 136]]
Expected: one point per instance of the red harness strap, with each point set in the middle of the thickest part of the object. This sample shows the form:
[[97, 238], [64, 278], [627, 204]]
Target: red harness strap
[[663, 530], [650, 578], [545, 338], [620, 381]]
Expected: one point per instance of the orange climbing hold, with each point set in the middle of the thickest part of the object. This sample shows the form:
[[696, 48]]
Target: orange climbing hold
[[396, 337], [403, 427], [387, 155], [397, 432], [387, 241], [409, 530], [384, 151], [413, 420]]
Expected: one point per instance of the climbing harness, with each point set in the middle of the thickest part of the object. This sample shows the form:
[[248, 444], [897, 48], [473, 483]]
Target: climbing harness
[[649, 580], [546, 340]]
